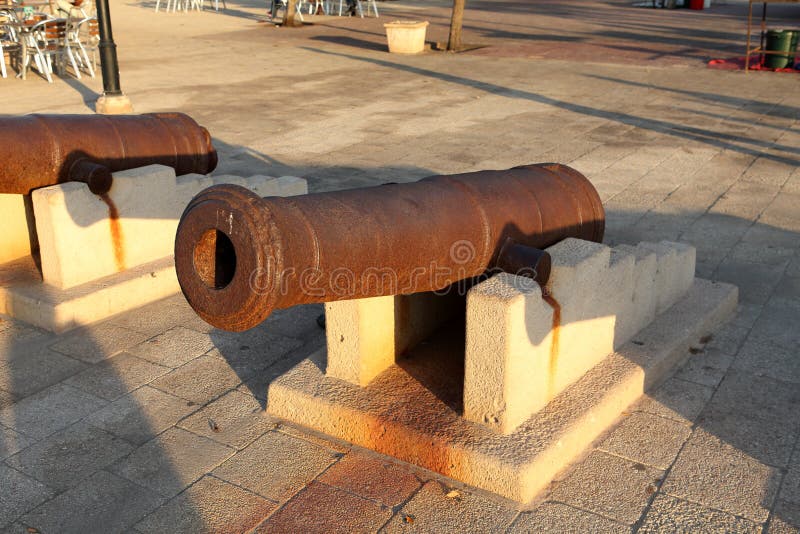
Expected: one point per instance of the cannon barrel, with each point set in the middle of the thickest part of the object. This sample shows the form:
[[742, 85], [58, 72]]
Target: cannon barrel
[[239, 256], [42, 150]]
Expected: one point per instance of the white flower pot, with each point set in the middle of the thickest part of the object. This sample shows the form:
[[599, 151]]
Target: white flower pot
[[406, 36]]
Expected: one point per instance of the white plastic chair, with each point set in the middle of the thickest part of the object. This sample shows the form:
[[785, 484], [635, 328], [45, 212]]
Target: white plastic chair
[[7, 45], [47, 41], [9, 42], [216, 5], [359, 8], [313, 6], [180, 5], [84, 36]]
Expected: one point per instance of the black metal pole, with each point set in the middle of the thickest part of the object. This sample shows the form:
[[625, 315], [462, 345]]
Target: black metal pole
[[108, 51]]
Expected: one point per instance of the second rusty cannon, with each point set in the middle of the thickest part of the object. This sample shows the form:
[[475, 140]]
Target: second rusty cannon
[[42, 150], [239, 256]]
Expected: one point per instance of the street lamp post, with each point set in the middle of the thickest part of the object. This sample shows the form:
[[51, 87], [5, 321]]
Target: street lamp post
[[113, 101]]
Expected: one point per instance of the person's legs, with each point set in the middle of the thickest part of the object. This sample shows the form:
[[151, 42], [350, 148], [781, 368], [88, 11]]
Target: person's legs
[[64, 8]]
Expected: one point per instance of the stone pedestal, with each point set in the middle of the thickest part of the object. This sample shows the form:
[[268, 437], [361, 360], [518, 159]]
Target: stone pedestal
[[512, 391], [113, 105], [102, 255]]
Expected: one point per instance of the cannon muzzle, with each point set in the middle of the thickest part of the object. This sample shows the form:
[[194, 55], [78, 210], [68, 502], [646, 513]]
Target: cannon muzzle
[[239, 256], [42, 150]]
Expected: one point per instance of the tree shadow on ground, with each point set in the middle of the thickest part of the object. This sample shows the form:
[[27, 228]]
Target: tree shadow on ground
[[736, 143]]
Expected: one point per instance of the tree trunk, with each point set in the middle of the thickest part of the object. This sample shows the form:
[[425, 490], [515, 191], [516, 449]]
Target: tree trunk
[[454, 43], [291, 12]]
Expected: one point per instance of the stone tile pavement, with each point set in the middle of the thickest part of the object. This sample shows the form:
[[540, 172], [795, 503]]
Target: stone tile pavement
[[154, 421]]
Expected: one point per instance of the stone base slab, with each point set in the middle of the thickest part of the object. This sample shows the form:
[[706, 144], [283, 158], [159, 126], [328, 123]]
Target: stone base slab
[[413, 410], [113, 105], [24, 296]]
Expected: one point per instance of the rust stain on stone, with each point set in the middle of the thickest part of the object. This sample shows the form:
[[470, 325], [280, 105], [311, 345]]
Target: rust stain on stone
[[556, 332], [117, 240]]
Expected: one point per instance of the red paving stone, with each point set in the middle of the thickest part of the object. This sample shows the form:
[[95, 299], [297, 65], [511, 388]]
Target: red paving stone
[[325, 509], [372, 478]]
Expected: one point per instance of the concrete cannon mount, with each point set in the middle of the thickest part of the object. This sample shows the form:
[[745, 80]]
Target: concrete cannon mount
[[536, 376], [96, 256]]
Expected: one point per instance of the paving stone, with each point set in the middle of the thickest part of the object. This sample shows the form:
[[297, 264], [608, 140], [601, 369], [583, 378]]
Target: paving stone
[[235, 419], [172, 461], [768, 235], [647, 439], [718, 475], [276, 466], [20, 494], [114, 377], [668, 514], [610, 486], [210, 505], [758, 415], [793, 268], [789, 287], [95, 344], [174, 347], [730, 337], [15, 528], [258, 384], [12, 442], [779, 323], [765, 439], [758, 397], [250, 357], [323, 509], [756, 281], [103, 503], [746, 316], [295, 323], [200, 380], [6, 399], [790, 489], [756, 252], [65, 458], [707, 367], [317, 438], [717, 230], [676, 399], [35, 370], [557, 517], [763, 358], [373, 478], [16, 336], [785, 519], [157, 317], [141, 415], [50, 410], [431, 510]]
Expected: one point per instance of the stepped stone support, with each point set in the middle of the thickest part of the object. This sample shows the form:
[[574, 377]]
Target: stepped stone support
[[543, 371], [100, 255], [366, 336], [525, 345]]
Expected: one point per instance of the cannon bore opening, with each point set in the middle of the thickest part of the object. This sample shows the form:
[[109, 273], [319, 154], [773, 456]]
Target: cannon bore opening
[[215, 259]]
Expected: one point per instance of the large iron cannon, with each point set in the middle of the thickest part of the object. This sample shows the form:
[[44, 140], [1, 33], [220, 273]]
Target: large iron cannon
[[239, 256], [42, 150]]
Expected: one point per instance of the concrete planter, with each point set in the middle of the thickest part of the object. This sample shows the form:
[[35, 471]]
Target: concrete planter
[[406, 36]]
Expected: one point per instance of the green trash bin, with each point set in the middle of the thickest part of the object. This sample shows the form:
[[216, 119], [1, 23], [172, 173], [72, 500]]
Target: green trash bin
[[778, 41], [793, 47]]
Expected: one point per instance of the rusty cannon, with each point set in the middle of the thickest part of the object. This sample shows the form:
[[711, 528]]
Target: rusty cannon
[[42, 150], [238, 256]]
